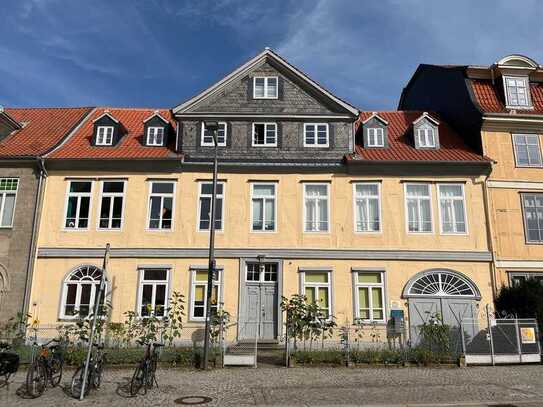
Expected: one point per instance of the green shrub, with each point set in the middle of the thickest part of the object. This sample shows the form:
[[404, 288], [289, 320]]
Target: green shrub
[[171, 356], [328, 356], [522, 300], [419, 355]]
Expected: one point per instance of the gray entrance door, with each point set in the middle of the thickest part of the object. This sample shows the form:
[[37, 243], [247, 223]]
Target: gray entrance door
[[259, 302], [443, 292], [452, 310]]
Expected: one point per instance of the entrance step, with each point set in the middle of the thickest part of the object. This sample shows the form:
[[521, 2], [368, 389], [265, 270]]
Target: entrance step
[[249, 347]]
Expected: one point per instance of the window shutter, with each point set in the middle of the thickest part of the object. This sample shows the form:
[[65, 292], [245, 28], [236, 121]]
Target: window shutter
[[199, 134], [280, 88], [249, 88], [279, 135], [179, 146], [249, 135], [331, 136], [228, 134], [436, 135], [385, 136]]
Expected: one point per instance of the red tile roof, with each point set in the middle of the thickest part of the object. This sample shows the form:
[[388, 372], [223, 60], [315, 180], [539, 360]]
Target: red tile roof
[[401, 145], [130, 146], [43, 129], [491, 99]]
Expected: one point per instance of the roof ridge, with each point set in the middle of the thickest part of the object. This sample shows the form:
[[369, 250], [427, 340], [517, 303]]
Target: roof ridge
[[49, 108]]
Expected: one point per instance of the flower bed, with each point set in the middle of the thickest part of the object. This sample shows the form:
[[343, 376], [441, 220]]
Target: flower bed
[[372, 356]]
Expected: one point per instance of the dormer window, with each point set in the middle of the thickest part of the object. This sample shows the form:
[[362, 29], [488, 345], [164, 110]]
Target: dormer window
[[104, 136], [265, 87], [517, 91], [425, 131], [207, 137], [376, 137], [426, 137], [155, 136]]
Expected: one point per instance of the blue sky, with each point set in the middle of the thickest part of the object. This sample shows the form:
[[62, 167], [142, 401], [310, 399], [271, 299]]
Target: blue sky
[[157, 53]]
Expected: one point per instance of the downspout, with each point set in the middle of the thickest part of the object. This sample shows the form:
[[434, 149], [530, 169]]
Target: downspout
[[490, 237], [42, 174]]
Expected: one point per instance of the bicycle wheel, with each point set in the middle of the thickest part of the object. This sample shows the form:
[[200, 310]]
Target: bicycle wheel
[[77, 382], [151, 373], [56, 370], [138, 379], [97, 375], [36, 379]]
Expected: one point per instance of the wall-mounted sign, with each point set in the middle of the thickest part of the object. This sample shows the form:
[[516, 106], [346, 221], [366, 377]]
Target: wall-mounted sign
[[527, 335]]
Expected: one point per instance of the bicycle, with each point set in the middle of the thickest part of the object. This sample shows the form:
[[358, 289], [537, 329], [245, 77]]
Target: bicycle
[[94, 373], [46, 367], [145, 373], [9, 363]]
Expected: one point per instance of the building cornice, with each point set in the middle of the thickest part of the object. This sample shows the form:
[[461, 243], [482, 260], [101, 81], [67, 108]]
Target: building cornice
[[79, 252]]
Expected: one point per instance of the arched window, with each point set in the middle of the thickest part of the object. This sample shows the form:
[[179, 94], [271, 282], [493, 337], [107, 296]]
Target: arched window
[[79, 290], [441, 283]]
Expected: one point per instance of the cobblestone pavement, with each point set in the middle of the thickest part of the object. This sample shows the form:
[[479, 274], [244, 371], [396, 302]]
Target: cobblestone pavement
[[473, 386]]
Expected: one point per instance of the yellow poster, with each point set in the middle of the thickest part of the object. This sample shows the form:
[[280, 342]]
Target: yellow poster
[[527, 335]]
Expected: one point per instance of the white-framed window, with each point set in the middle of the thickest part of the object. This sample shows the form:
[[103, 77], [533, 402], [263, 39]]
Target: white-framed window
[[198, 293], [153, 291], [263, 207], [527, 150], [104, 136], [111, 205], [367, 206], [369, 296], [204, 205], [517, 91], [78, 201], [161, 204], [8, 196], [268, 273], [316, 135], [207, 137], [79, 290], [519, 277], [264, 134], [317, 289], [452, 208], [426, 135], [316, 207], [376, 137], [418, 204], [155, 136], [265, 87], [532, 205]]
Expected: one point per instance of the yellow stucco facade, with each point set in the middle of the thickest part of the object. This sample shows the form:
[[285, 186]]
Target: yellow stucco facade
[[514, 254], [399, 255]]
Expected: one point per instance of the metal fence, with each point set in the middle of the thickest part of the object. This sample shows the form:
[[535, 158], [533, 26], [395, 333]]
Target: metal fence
[[500, 340]]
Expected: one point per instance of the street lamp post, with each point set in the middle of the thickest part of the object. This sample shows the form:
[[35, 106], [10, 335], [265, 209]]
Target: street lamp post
[[211, 127]]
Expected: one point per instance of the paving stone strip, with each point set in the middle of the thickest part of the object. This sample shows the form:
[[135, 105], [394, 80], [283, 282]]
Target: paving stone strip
[[409, 387]]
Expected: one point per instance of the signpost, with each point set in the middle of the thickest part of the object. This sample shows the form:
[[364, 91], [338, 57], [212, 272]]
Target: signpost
[[211, 127], [97, 300]]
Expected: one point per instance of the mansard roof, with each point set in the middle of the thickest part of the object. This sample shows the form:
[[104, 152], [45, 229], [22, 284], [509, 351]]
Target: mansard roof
[[489, 97], [400, 142], [266, 55], [41, 130], [130, 146]]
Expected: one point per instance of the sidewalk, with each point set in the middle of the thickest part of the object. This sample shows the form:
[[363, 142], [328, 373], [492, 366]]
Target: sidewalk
[[474, 386]]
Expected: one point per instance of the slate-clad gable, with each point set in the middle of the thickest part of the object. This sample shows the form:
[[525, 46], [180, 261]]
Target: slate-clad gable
[[293, 98], [299, 101], [106, 120]]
